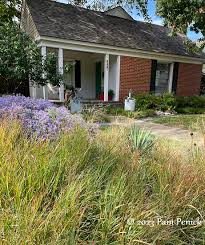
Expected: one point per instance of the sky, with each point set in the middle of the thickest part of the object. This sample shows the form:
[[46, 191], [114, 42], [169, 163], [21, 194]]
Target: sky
[[155, 19]]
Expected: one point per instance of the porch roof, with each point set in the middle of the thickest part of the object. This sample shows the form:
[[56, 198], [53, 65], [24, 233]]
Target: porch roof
[[58, 20]]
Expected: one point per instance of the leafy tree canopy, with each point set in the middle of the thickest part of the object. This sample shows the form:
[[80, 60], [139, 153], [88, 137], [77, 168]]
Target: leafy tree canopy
[[183, 14], [20, 59], [9, 9], [138, 5]]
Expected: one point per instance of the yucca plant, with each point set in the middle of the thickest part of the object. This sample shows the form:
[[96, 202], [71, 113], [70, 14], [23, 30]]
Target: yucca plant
[[140, 139]]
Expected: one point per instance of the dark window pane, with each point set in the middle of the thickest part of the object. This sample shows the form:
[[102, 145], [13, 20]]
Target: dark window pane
[[78, 74]]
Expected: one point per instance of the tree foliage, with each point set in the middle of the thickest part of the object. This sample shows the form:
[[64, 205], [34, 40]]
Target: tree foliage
[[21, 60], [183, 14], [9, 9], [130, 5]]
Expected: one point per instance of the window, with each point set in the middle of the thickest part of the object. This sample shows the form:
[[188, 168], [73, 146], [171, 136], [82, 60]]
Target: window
[[73, 76], [78, 74], [162, 78], [69, 75]]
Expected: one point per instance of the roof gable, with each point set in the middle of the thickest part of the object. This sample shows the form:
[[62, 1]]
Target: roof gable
[[118, 12], [65, 21]]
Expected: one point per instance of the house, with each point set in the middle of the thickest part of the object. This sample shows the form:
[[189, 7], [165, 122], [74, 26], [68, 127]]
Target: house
[[110, 50]]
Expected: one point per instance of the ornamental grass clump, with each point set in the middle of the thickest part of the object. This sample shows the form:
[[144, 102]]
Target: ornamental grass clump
[[76, 191], [39, 118]]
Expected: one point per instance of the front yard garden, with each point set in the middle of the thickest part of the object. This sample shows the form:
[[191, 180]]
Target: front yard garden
[[185, 112], [82, 186]]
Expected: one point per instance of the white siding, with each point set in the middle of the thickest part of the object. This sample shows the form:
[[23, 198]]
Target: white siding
[[88, 61], [27, 23]]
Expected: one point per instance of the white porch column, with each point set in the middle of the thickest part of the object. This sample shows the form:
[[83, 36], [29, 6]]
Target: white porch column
[[171, 72], [60, 67], [117, 84], [106, 76], [45, 90]]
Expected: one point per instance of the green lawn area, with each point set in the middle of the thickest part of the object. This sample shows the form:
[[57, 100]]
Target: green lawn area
[[192, 122]]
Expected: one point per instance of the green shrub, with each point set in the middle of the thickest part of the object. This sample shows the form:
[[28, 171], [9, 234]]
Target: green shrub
[[146, 101], [190, 101], [167, 102], [162, 102], [190, 110], [190, 104]]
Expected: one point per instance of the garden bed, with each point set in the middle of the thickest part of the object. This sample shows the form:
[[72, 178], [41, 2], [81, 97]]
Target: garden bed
[[77, 190]]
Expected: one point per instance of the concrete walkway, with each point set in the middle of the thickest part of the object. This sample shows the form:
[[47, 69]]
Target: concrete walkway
[[166, 132]]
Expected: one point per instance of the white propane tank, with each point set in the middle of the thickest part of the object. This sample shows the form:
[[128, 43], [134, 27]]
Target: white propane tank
[[130, 104]]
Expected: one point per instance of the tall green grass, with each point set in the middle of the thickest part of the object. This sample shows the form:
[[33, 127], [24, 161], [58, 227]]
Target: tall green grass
[[78, 190]]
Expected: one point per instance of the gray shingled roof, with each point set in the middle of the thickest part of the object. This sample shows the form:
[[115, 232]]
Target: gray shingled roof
[[58, 20]]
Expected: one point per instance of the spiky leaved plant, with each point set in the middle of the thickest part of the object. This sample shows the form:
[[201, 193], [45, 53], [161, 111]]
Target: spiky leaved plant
[[140, 140]]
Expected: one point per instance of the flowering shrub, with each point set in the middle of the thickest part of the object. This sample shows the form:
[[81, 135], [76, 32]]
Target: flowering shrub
[[39, 117]]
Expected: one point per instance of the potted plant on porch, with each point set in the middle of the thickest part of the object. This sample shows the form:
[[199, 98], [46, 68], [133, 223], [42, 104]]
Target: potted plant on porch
[[110, 95]]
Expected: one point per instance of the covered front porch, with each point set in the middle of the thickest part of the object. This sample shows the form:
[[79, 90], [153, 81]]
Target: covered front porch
[[95, 75]]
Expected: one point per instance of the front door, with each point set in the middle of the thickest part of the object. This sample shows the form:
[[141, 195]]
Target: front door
[[98, 78]]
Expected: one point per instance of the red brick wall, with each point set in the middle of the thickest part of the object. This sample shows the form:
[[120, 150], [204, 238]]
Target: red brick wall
[[135, 74], [189, 79]]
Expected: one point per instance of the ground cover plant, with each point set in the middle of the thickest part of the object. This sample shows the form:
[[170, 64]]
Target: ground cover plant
[[39, 118], [81, 190], [118, 111]]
